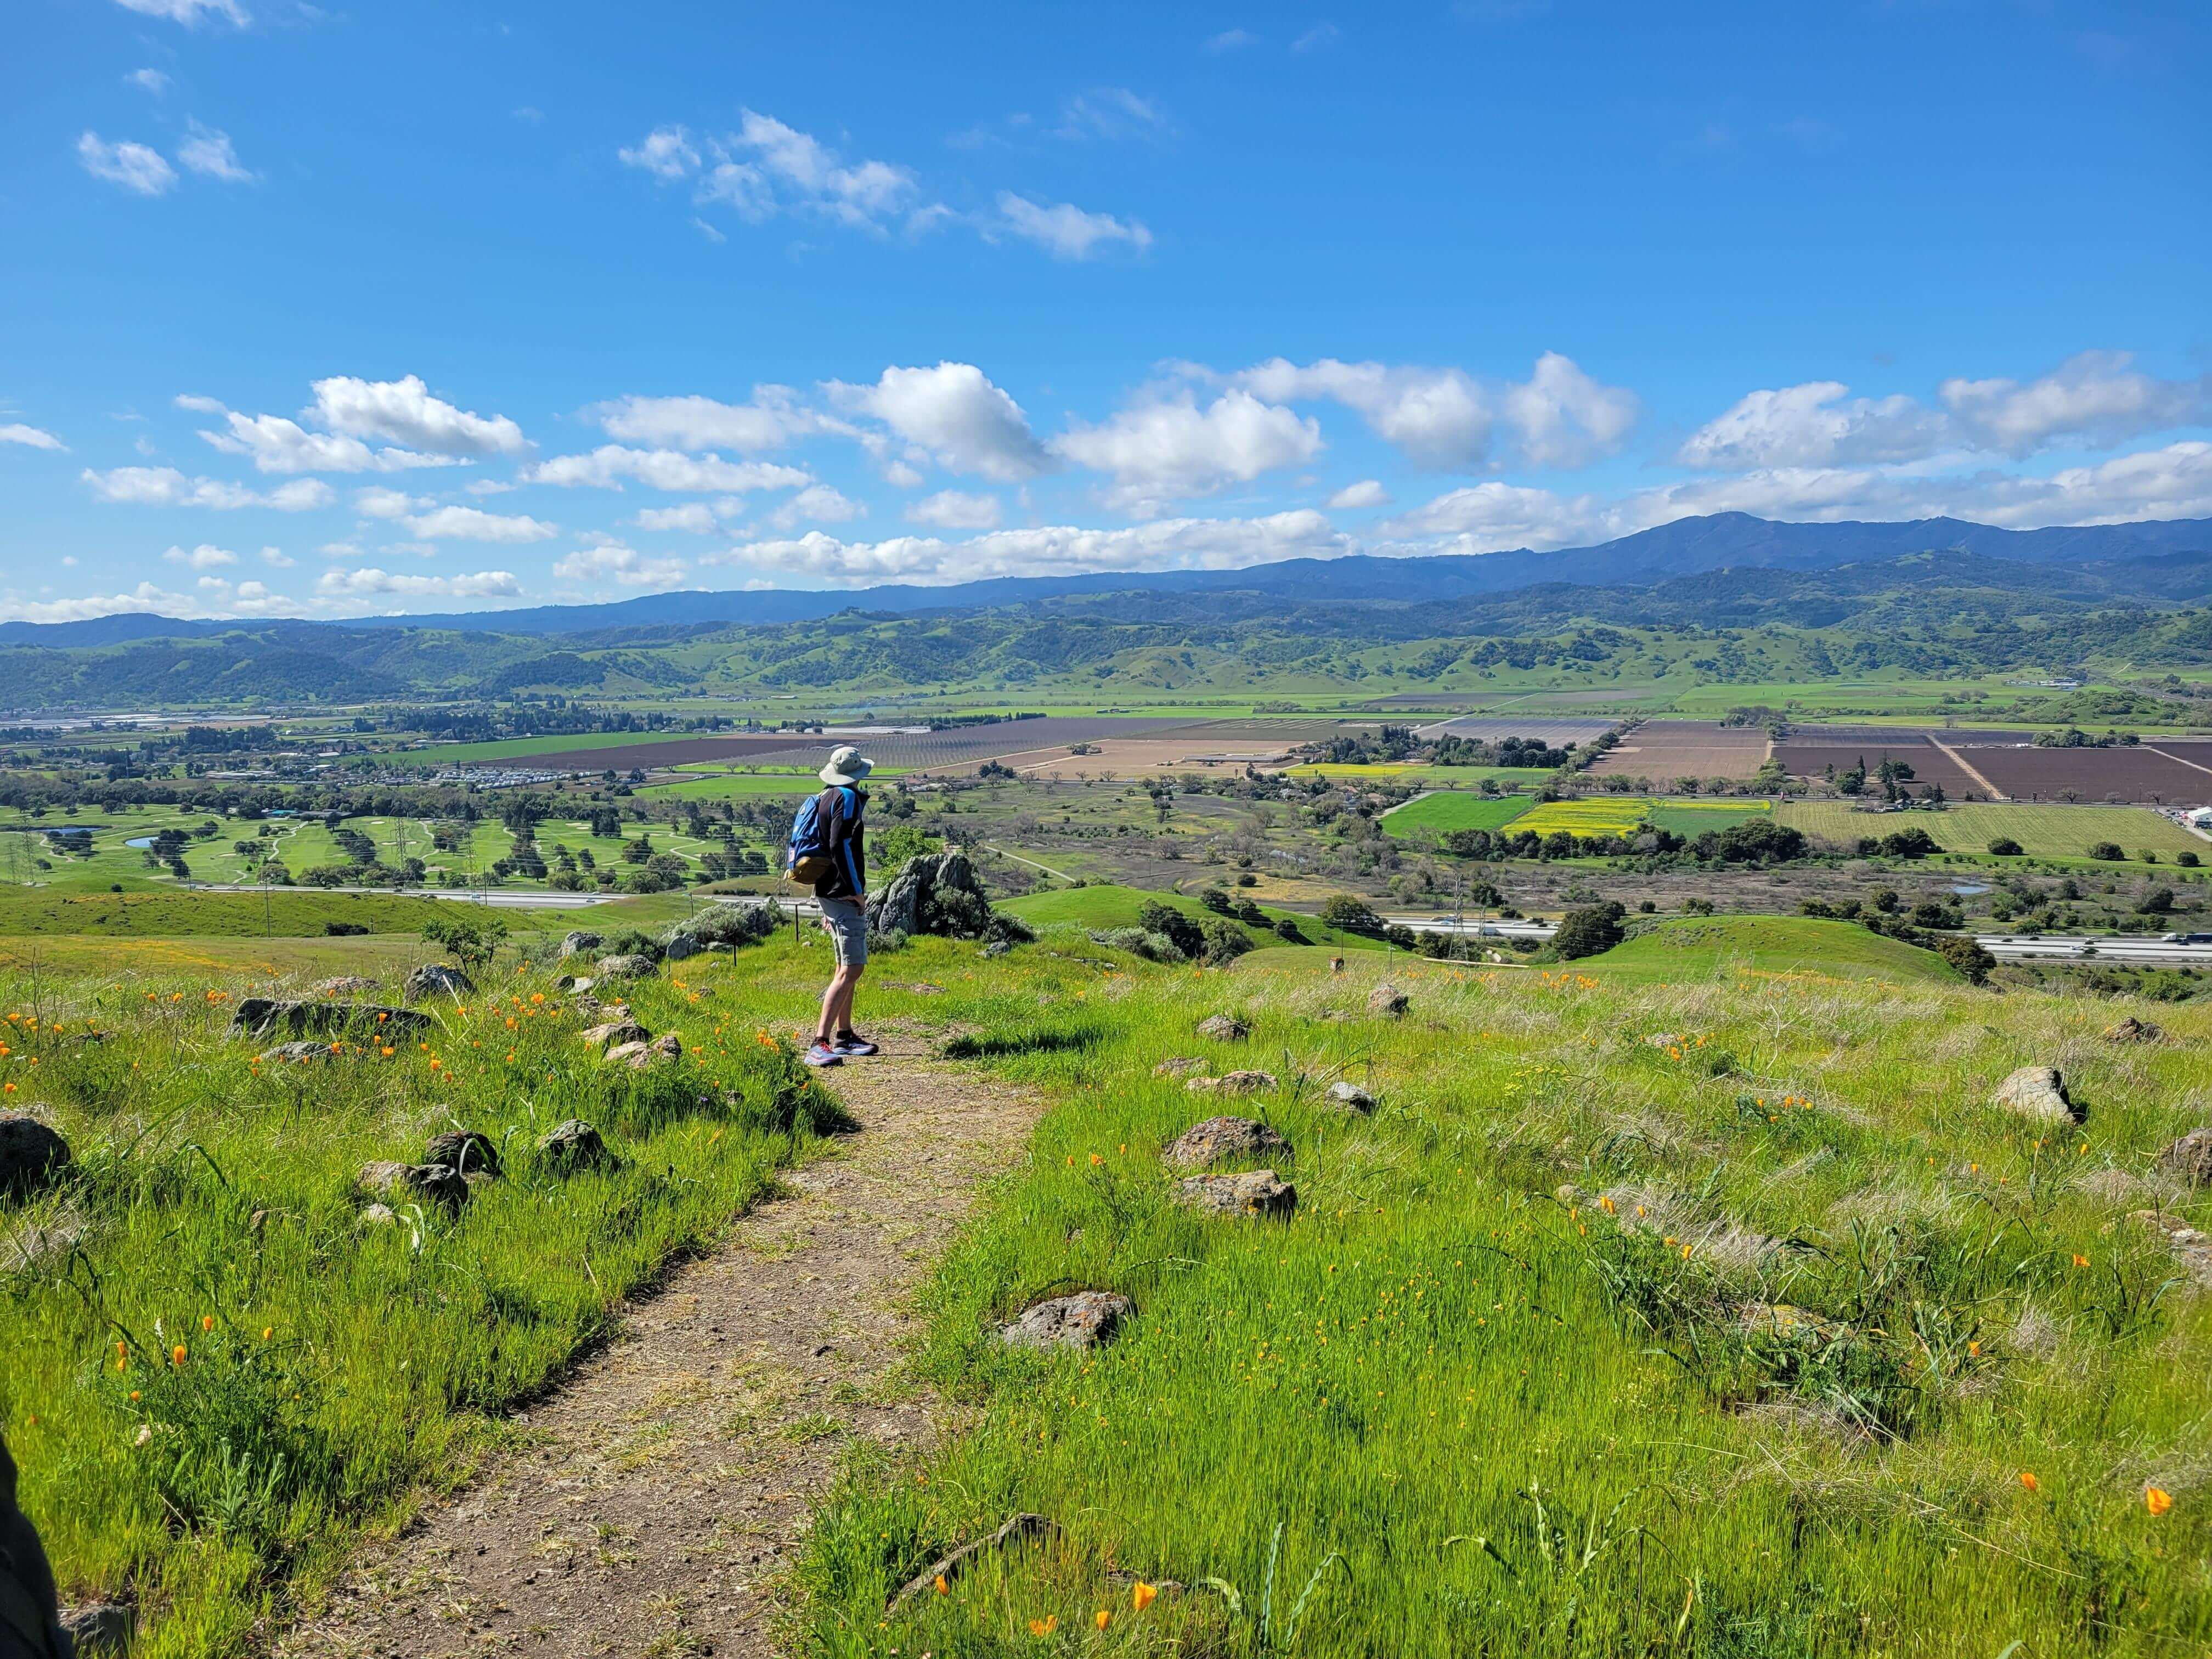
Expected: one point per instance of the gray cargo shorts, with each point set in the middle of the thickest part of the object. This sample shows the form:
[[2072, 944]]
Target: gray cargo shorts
[[846, 921]]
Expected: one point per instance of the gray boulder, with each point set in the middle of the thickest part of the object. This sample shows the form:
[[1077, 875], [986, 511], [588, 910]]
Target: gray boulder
[[430, 1183], [1224, 1028], [345, 985], [100, 1627], [265, 1017], [1254, 1193], [1219, 1137], [436, 979], [572, 1145], [33, 1155], [2131, 1029], [2190, 1158], [626, 967], [1350, 1097], [464, 1150], [682, 946], [939, 893], [1387, 1002], [1084, 1319], [1231, 1082], [615, 1033], [578, 940], [2039, 1092], [305, 1052], [639, 1055]]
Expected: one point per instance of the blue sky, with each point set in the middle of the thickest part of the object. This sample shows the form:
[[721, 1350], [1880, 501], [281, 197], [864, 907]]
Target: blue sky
[[315, 311]]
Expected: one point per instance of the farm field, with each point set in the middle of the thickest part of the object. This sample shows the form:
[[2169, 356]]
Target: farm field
[[2050, 830], [1454, 809], [1494, 727], [1662, 751], [2137, 773], [595, 750], [1930, 764], [1617, 815], [1530, 1368], [1104, 906]]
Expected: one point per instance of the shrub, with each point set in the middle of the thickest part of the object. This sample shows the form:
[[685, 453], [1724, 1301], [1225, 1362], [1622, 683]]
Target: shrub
[[1152, 947], [1224, 942], [632, 942], [1214, 899], [1351, 915], [1181, 933], [1915, 843], [471, 940], [2109, 851], [1962, 952], [1586, 932], [1287, 929], [731, 924], [1751, 842], [2187, 860], [2004, 846]]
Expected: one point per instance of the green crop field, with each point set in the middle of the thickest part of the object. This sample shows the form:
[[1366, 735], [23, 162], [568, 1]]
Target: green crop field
[[2043, 831], [1451, 809], [1105, 906], [1617, 815], [1704, 948]]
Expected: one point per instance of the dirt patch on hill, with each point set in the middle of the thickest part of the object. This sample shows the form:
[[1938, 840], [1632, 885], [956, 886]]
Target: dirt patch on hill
[[659, 1496]]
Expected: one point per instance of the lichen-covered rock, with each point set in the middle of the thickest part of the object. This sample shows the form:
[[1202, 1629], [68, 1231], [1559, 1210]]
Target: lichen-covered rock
[[1349, 1097], [100, 1627], [1387, 1002], [939, 893], [1084, 1319], [345, 985], [33, 1155], [430, 1183], [1224, 1028], [572, 1145], [1231, 1082], [639, 1055], [1219, 1137], [616, 1032], [626, 967], [682, 946], [2190, 1158], [2131, 1029], [1179, 1066], [2039, 1092], [578, 940], [264, 1016], [464, 1150], [1254, 1193], [437, 978], [302, 1053]]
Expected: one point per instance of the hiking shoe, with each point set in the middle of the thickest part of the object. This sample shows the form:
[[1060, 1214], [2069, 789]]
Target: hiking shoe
[[821, 1054], [851, 1043]]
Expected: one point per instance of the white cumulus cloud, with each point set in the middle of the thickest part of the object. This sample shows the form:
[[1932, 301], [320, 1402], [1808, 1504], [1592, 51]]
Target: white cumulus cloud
[[666, 153], [1168, 451], [818, 504], [773, 419], [625, 566], [1065, 231], [133, 166], [189, 12], [1368, 492], [1812, 425], [164, 486], [403, 411], [2092, 399], [210, 154], [955, 413], [279, 445], [372, 583], [202, 557], [694, 516], [30, 437], [954, 509], [610, 464], [473, 524], [147, 80]]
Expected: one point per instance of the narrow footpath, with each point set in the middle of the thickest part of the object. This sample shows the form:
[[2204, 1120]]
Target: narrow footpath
[[664, 1492]]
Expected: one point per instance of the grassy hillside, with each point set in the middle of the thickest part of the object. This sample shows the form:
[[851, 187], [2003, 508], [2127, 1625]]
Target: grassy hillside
[[1106, 906], [1716, 1317], [1717, 947]]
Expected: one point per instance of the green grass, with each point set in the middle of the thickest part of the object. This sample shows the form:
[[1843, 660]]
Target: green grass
[[1695, 948], [177, 914], [2042, 830], [1481, 1418], [1449, 809], [210, 1204], [1106, 906]]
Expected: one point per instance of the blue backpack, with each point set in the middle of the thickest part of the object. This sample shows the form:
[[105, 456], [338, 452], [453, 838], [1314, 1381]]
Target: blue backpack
[[807, 856]]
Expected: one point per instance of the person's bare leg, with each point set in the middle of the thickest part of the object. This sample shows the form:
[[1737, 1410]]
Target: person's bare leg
[[837, 1004]]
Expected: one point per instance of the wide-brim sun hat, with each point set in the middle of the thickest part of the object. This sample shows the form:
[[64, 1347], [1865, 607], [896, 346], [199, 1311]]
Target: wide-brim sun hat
[[847, 765]]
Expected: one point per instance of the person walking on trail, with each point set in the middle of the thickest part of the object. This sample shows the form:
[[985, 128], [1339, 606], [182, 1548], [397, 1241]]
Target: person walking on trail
[[830, 851], [30, 1626]]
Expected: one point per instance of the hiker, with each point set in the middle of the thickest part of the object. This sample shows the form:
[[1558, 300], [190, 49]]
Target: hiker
[[30, 1623], [826, 853]]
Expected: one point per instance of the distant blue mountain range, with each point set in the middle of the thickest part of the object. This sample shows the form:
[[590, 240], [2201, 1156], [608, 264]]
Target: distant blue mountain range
[[1687, 547]]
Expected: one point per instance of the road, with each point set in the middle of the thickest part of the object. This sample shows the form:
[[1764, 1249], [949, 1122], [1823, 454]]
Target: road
[[497, 898], [2138, 949]]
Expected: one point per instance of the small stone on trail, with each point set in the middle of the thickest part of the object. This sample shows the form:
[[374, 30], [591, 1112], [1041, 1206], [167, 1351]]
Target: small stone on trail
[[1179, 1066], [33, 1155], [572, 1145], [1255, 1192], [463, 1149], [1350, 1096], [1081, 1321], [2190, 1158], [1231, 1082], [626, 967], [1387, 1002], [578, 940], [2039, 1091], [1222, 1136], [1224, 1028], [436, 979]]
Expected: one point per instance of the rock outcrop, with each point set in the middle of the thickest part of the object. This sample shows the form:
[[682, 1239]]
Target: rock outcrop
[[939, 893], [639, 1055], [615, 1033], [578, 940], [2039, 1092], [1350, 1097], [1219, 1137], [265, 1017], [436, 979], [1224, 1028], [2131, 1029], [1254, 1193], [2190, 1158], [464, 1150], [1084, 1319], [1387, 1002], [572, 1145], [430, 1183], [631, 966], [33, 1155]]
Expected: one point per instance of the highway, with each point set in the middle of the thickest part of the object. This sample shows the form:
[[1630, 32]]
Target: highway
[[2141, 950]]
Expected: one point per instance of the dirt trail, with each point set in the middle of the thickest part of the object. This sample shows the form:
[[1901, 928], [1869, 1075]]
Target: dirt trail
[[664, 1489]]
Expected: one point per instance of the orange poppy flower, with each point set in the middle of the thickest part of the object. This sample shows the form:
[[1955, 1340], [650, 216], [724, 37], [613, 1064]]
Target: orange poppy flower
[[1142, 1594], [2157, 1500]]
